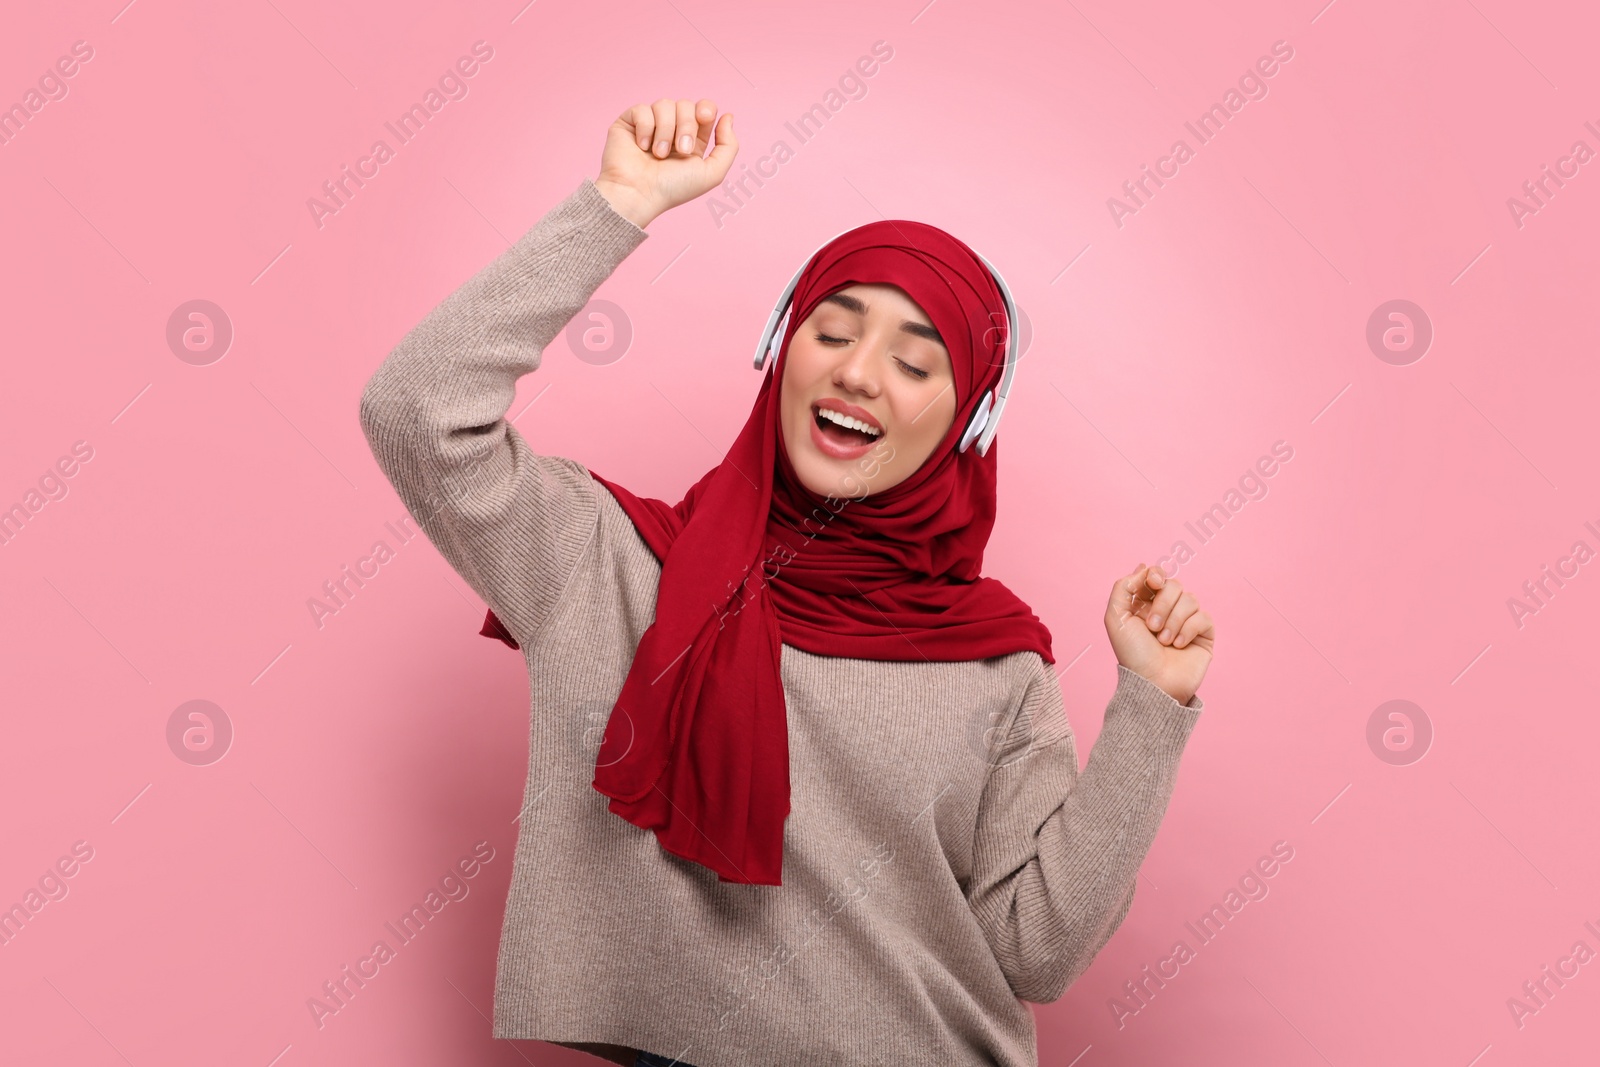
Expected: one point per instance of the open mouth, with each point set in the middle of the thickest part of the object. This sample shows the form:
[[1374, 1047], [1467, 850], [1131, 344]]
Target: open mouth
[[843, 430]]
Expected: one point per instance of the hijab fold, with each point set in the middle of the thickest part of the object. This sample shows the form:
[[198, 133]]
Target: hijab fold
[[696, 748]]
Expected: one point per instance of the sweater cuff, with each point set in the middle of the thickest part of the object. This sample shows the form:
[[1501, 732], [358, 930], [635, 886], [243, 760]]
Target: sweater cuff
[[1153, 692], [1163, 720], [589, 194]]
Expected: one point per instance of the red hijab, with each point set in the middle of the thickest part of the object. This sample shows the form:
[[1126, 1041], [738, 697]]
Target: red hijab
[[697, 746]]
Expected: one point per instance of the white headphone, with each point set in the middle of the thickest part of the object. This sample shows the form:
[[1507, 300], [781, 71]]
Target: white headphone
[[985, 419]]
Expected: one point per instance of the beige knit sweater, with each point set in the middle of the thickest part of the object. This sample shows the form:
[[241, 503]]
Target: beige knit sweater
[[944, 858]]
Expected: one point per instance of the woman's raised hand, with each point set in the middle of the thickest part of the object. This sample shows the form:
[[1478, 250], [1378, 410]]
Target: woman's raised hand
[[655, 156], [1158, 631]]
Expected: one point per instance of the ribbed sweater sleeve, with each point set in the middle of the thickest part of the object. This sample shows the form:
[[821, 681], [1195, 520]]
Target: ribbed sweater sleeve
[[512, 523], [1057, 851]]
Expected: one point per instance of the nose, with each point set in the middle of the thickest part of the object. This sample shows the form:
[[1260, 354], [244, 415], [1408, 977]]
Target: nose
[[859, 366]]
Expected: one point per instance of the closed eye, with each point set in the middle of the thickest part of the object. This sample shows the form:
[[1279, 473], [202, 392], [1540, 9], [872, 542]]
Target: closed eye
[[916, 372]]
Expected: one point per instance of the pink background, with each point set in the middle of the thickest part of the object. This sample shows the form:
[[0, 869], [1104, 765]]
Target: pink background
[[1168, 354]]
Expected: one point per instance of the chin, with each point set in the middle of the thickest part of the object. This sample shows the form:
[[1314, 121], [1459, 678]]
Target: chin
[[820, 476]]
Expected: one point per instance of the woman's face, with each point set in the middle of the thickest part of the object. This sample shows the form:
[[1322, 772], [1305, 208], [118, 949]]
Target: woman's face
[[870, 353]]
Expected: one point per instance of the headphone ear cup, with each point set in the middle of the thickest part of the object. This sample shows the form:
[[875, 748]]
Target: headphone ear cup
[[975, 425], [777, 338]]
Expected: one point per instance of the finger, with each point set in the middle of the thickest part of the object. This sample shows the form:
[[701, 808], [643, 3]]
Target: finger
[[643, 121], [705, 113], [1186, 606], [687, 129], [1124, 592], [1144, 593], [1196, 625], [666, 115], [1154, 580], [1163, 602], [727, 146]]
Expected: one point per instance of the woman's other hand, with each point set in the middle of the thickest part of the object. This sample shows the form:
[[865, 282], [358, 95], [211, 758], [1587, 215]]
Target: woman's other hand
[[655, 156], [1158, 631]]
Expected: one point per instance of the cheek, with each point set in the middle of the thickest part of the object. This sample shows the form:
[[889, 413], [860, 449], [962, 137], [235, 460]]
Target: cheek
[[792, 390], [933, 414], [802, 369], [793, 413], [801, 360]]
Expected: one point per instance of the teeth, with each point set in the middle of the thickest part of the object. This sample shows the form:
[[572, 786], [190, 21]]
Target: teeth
[[848, 421]]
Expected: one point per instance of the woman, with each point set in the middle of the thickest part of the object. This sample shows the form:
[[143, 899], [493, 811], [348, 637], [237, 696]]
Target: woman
[[846, 823]]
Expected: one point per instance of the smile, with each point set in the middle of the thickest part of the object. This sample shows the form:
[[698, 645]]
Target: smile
[[842, 436], [847, 421]]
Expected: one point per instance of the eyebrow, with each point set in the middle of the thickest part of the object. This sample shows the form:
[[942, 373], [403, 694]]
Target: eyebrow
[[916, 329]]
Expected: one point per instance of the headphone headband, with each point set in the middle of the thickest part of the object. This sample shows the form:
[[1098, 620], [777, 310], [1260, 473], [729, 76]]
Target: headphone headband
[[985, 420]]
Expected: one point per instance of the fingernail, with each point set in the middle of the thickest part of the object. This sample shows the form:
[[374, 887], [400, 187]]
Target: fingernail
[[1155, 620], [1166, 636], [685, 143], [661, 146]]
